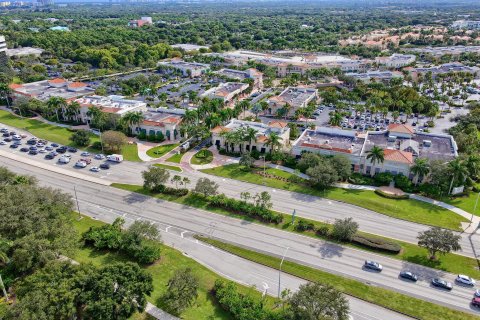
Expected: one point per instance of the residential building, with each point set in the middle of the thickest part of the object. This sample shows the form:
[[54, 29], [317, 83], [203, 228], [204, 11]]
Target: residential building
[[188, 69], [262, 130], [292, 98], [25, 51], [466, 24], [396, 61], [377, 76], [113, 104], [3, 53], [160, 120], [241, 75], [141, 22], [444, 69], [400, 143], [45, 89], [226, 91]]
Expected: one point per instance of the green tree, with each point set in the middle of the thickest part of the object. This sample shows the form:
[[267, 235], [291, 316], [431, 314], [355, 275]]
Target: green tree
[[132, 118], [322, 176], [420, 169], [274, 141], [246, 160], [342, 165], [181, 291], [154, 178], [81, 138], [206, 187], [176, 179], [55, 104], [437, 240], [114, 140], [335, 119], [375, 155], [318, 301], [344, 229]]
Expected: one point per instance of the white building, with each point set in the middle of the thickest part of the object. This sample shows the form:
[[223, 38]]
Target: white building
[[45, 89], [292, 98], [396, 61], [115, 105], [226, 91], [262, 131], [241, 75], [367, 77], [25, 51], [3, 53], [188, 69], [466, 24], [160, 120]]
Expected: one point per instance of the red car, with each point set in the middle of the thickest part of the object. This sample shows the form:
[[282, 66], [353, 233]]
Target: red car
[[86, 160], [476, 302]]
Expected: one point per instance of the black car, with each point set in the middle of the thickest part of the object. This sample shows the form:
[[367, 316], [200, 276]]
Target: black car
[[437, 282], [105, 166], [6, 134], [33, 148], [7, 139], [32, 142], [408, 276], [61, 150], [17, 143], [12, 133], [55, 145], [24, 149], [71, 149], [372, 265], [49, 156], [33, 152], [14, 146]]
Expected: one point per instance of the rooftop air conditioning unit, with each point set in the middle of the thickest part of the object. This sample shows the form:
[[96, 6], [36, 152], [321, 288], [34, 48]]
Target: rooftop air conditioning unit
[[392, 138], [427, 143]]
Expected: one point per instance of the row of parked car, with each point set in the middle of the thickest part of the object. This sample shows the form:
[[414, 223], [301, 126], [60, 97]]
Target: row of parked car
[[436, 282]]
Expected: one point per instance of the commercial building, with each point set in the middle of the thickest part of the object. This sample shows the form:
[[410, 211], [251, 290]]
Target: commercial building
[[377, 76], [189, 47], [444, 69], [188, 69], [141, 22], [400, 143], [241, 75], [466, 24], [396, 61], [454, 51], [160, 120], [45, 89], [226, 91], [262, 132], [292, 98], [115, 105], [25, 51]]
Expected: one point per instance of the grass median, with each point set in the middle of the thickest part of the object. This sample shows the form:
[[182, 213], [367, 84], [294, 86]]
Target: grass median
[[389, 299], [168, 167], [410, 252], [205, 306], [176, 158], [158, 151], [406, 209], [202, 157]]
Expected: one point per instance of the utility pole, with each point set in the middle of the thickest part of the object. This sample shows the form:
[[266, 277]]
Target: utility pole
[[76, 200], [280, 270]]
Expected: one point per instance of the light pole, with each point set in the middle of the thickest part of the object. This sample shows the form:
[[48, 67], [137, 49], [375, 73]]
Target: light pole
[[76, 200], [264, 169], [280, 270], [474, 208]]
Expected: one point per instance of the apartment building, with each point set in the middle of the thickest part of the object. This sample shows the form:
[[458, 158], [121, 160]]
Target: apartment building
[[400, 143], [226, 91], [188, 69], [45, 89], [292, 98], [262, 130], [241, 75], [113, 104], [396, 61]]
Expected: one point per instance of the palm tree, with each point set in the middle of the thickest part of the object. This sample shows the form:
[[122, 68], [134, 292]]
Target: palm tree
[[213, 120], [244, 105], [54, 104], [472, 162], [72, 110], [335, 119], [420, 169], [132, 118], [251, 135], [5, 92], [273, 141], [458, 170], [375, 155]]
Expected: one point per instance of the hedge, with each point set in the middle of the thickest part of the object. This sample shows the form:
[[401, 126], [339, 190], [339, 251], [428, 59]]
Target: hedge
[[376, 243], [391, 196]]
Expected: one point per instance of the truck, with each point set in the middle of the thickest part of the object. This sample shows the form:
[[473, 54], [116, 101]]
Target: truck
[[115, 158]]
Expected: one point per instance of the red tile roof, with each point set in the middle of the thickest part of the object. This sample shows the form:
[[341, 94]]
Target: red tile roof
[[219, 129], [401, 128], [277, 124], [325, 146], [77, 85], [153, 123], [57, 80], [14, 86], [110, 109], [398, 156]]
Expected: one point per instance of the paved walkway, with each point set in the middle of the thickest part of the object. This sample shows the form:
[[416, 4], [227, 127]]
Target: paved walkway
[[158, 313]]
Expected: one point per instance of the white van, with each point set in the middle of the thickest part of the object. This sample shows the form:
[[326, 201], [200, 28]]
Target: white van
[[115, 158]]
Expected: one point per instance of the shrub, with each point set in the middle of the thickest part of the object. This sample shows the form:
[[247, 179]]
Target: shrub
[[383, 178], [344, 229], [358, 178], [176, 192], [304, 225], [323, 230], [391, 196], [97, 145], [402, 182], [376, 243]]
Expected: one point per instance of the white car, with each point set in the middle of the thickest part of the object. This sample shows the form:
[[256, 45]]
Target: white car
[[463, 279], [477, 293], [43, 151], [80, 164], [69, 156], [85, 154], [64, 159], [2, 143], [95, 169], [16, 137], [99, 156]]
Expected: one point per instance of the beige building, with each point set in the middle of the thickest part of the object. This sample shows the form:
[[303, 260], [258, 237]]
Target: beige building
[[158, 121], [226, 91], [292, 98]]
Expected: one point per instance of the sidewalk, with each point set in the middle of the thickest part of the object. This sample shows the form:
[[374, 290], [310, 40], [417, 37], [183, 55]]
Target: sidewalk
[[158, 313]]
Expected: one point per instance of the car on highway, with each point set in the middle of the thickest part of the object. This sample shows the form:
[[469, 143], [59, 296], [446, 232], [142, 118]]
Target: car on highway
[[95, 169], [86, 160], [80, 164], [466, 280], [476, 302], [61, 149], [440, 283], [372, 265], [105, 166], [408, 276], [99, 156], [14, 146], [24, 149]]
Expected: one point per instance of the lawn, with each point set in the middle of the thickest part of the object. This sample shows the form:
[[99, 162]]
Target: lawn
[[130, 153], [172, 260], [406, 209], [410, 252], [202, 157], [176, 158], [166, 166], [416, 308], [466, 203], [157, 152]]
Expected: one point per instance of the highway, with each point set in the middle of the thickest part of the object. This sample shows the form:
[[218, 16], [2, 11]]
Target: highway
[[106, 203]]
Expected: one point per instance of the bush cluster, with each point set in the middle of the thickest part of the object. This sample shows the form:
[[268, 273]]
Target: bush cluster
[[391, 196], [242, 207], [172, 191], [304, 225], [112, 237], [376, 243]]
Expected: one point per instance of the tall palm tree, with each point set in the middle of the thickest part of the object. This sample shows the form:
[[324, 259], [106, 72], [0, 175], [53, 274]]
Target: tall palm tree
[[472, 162], [5, 92], [72, 110], [244, 105], [335, 119], [420, 169], [251, 135], [273, 141], [54, 104], [132, 118], [375, 155], [458, 170]]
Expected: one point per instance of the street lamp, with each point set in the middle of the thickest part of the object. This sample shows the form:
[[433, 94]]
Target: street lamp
[[264, 169], [280, 270], [474, 208]]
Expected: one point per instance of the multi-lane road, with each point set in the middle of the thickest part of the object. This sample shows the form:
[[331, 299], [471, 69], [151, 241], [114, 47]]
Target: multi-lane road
[[106, 202]]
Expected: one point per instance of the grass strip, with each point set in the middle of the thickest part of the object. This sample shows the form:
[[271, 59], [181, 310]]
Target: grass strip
[[413, 307], [166, 166], [202, 157], [158, 151], [176, 158], [412, 253], [405, 209]]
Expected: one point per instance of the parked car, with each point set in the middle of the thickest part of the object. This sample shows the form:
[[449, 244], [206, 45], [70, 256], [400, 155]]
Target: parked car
[[7, 139], [105, 166], [440, 283], [24, 149], [95, 169], [49, 156], [33, 148], [373, 265], [99, 156], [477, 293], [6, 134], [33, 152], [43, 151], [71, 149], [476, 302], [55, 145], [80, 164], [463, 279], [408, 275], [32, 141], [63, 159], [48, 148], [115, 158], [85, 154], [86, 160], [2, 143], [16, 137], [14, 146], [61, 150]]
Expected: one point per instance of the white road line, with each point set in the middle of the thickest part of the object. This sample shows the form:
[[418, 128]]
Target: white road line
[[166, 229], [181, 234]]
